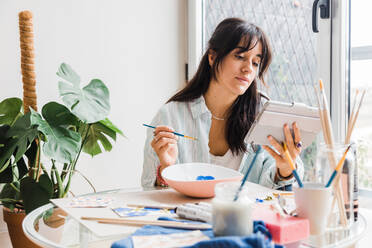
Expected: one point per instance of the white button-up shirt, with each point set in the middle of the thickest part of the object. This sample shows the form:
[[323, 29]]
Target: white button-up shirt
[[194, 119]]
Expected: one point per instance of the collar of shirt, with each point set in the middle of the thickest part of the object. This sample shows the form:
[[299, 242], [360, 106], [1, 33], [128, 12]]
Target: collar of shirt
[[198, 107]]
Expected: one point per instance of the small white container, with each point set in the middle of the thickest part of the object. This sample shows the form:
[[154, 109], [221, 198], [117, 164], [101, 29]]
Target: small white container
[[231, 217], [313, 201]]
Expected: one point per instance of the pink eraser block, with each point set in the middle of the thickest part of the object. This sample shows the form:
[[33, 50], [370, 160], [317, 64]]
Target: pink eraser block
[[284, 230]]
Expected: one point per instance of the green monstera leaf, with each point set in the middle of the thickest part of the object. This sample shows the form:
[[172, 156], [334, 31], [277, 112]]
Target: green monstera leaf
[[98, 132], [6, 176], [3, 138], [18, 139], [31, 153], [107, 123], [61, 143], [46, 184], [9, 195], [11, 174], [10, 109], [58, 115], [91, 103], [35, 194]]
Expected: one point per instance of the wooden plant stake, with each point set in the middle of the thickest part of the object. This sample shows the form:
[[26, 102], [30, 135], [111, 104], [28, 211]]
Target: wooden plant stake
[[27, 61], [26, 37]]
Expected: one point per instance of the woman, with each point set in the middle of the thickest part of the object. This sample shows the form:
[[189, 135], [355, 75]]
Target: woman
[[218, 106]]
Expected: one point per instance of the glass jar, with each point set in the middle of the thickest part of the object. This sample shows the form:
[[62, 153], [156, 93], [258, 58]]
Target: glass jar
[[327, 160], [231, 217]]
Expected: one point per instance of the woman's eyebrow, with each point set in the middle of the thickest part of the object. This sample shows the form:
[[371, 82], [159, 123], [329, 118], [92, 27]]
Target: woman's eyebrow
[[244, 49]]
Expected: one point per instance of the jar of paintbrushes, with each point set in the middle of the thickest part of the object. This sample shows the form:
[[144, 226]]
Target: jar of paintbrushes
[[335, 168]]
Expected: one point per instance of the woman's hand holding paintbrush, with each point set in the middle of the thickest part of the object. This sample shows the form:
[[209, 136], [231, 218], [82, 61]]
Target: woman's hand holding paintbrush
[[164, 144]]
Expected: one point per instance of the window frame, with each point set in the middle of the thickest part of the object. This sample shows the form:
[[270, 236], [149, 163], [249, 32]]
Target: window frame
[[195, 29], [340, 67]]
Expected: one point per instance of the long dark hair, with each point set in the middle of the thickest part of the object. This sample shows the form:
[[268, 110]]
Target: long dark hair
[[227, 36]]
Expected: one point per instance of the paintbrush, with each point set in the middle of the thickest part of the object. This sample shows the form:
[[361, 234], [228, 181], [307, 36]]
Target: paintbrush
[[247, 173], [339, 166], [293, 167], [178, 134], [174, 224]]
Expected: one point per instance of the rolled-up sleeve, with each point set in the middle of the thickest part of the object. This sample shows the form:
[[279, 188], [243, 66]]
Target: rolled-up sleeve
[[150, 163]]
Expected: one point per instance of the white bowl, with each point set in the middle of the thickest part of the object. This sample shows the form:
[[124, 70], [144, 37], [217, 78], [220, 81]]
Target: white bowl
[[183, 178]]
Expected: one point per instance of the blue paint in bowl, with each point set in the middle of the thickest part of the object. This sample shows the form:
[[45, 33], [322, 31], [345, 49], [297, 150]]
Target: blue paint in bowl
[[204, 178]]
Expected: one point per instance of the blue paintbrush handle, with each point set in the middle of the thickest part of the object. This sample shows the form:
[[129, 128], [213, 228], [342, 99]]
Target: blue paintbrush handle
[[331, 178], [297, 178], [149, 126], [247, 173], [179, 134]]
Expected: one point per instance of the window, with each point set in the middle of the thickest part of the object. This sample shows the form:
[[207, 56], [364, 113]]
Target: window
[[360, 78], [297, 62], [301, 57], [293, 70]]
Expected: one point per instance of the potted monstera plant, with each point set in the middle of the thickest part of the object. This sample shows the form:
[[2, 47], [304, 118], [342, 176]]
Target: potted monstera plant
[[59, 134]]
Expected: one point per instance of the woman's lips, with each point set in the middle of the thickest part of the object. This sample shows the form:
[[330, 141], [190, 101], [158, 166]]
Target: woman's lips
[[243, 80]]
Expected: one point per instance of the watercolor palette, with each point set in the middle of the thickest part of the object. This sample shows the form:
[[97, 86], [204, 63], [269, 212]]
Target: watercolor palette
[[90, 202]]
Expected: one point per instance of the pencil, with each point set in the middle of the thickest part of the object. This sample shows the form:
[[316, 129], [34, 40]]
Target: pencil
[[293, 167], [178, 134], [339, 166]]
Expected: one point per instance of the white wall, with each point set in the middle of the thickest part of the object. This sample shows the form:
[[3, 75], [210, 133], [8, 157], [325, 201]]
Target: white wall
[[138, 48]]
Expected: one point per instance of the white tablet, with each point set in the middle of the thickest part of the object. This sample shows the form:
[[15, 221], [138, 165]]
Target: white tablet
[[275, 114]]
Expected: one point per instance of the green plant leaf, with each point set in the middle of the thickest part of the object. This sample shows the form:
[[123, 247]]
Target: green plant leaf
[[9, 192], [9, 195], [91, 103], [10, 109], [22, 168], [96, 136], [106, 122], [58, 115], [46, 184], [3, 141], [66, 72], [19, 137], [12, 173], [61, 143], [33, 194], [6, 176], [31, 153]]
